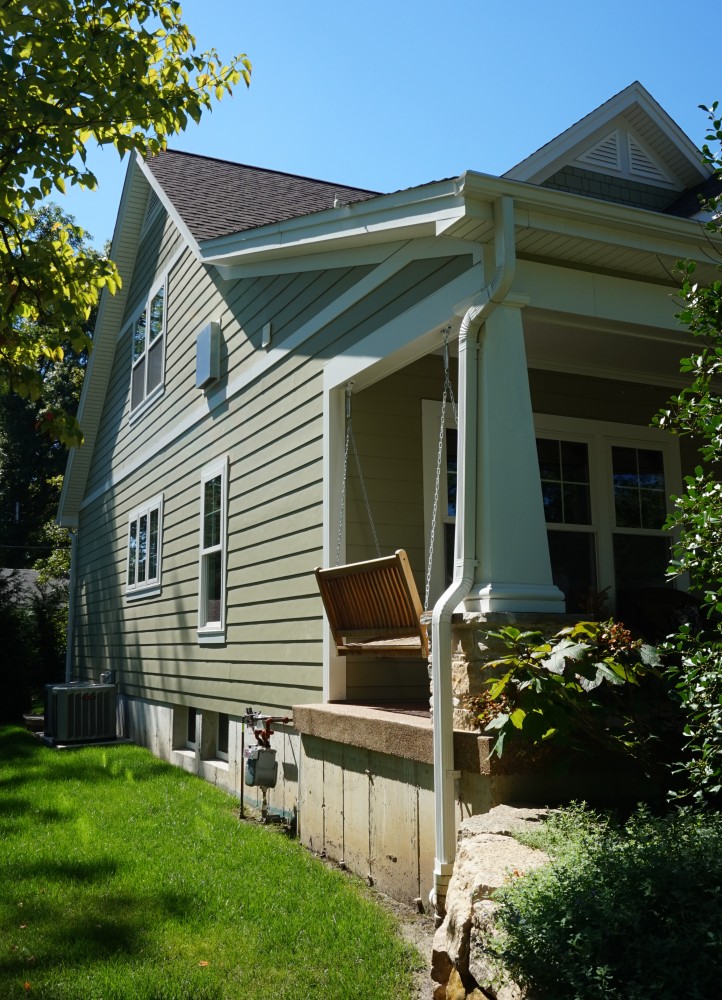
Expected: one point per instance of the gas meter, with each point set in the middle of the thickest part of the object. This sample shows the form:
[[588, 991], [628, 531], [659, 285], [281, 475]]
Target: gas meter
[[261, 767]]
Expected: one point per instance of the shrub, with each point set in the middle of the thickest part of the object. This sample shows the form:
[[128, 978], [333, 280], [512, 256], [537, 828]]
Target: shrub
[[591, 685], [18, 649], [631, 911], [32, 624]]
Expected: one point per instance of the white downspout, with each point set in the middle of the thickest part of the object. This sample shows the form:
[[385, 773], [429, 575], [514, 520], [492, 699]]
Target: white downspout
[[71, 607], [465, 559]]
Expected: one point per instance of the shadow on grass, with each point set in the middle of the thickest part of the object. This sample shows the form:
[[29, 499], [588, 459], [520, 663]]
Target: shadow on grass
[[119, 926], [72, 870], [71, 763], [14, 809], [15, 743]]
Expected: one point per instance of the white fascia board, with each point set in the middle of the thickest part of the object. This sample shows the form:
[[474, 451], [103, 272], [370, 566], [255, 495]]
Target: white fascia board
[[374, 253], [169, 206], [400, 216], [110, 316], [463, 286], [545, 160]]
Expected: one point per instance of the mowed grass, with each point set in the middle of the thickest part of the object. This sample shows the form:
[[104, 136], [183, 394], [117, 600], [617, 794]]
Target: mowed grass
[[123, 878]]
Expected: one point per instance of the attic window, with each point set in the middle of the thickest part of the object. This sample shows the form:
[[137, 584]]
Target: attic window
[[148, 336]]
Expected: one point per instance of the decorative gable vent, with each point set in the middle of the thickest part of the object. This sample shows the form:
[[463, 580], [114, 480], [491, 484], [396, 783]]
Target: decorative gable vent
[[642, 165], [621, 154], [605, 155]]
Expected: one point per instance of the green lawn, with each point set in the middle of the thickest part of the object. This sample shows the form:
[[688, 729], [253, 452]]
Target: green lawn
[[123, 877]]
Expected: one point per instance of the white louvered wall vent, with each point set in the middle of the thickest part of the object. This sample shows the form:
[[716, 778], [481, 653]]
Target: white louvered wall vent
[[605, 154], [642, 165], [208, 355], [621, 154]]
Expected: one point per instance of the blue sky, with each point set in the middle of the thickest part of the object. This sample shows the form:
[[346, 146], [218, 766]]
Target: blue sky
[[386, 95]]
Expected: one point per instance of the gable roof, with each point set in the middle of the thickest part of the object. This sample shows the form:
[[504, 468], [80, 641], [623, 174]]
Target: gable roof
[[630, 137], [219, 198], [246, 220]]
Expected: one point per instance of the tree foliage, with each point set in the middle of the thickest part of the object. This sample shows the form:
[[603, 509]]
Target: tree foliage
[[75, 73], [697, 514], [34, 435]]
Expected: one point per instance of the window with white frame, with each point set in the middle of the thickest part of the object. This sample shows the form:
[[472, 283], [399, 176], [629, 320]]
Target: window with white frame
[[605, 489], [148, 346], [212, 552], [143, 568]]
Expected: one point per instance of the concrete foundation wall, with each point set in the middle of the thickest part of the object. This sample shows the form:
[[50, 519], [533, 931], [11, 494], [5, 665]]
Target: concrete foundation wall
[[162, 729]]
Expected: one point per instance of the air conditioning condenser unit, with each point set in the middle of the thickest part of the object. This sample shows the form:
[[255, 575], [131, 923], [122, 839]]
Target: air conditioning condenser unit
[[78, 713]]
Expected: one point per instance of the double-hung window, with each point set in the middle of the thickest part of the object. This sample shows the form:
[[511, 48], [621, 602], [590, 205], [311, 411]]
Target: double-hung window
[[148, 340], [605, 488], [212, 552], [143, 567]]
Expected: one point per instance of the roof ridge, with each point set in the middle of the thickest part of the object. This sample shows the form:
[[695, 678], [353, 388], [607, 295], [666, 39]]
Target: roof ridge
[[266, 170]]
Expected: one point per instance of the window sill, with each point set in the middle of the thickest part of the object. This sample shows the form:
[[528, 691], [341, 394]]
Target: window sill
[[138, 594], [146, 405], [211, 637], [221, 765]]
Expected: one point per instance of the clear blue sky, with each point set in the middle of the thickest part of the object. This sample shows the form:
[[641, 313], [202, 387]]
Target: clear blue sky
[[386, 95]]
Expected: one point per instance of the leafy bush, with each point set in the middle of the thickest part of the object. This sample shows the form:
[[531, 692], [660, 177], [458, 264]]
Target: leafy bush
[[32, 625], [18, 648], [581, 688], [632, 912], [697, 674], [697, 412]]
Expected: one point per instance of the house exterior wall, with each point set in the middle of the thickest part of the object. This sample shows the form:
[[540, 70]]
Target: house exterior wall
[[577, 180], [265, 414]]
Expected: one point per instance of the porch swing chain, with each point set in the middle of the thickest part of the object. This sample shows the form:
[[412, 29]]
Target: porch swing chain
[[351, 441], [448, 394]]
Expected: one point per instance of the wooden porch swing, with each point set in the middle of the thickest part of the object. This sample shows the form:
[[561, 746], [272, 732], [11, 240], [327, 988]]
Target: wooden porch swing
[[373, 607]]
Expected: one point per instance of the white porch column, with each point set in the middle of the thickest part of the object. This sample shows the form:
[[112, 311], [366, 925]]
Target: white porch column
[[513, 571]]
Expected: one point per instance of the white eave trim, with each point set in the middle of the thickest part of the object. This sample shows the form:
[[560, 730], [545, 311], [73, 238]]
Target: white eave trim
[[168, 206], [403, 215]]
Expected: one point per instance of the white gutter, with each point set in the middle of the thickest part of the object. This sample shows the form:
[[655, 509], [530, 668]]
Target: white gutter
[[71, 607], [465, 560]]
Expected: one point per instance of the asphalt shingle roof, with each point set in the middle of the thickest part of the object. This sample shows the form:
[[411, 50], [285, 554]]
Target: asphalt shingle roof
[[217, 198]]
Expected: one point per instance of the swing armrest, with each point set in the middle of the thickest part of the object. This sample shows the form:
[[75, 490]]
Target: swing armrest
[[373, 607]]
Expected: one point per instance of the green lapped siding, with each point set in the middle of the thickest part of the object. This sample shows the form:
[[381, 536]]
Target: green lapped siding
[[272, 432]]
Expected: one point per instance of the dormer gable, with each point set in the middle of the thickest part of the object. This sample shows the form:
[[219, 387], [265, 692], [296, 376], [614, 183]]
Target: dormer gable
[[628, 151]]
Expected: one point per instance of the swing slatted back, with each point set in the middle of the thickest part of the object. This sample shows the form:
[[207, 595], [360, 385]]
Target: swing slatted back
[[374, 608]]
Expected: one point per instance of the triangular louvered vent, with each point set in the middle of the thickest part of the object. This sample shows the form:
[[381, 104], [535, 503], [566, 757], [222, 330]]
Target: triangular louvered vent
[[604, 155], [642, 165]]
